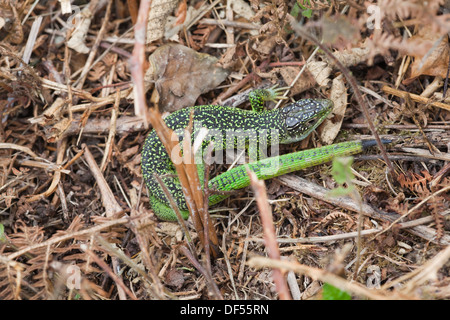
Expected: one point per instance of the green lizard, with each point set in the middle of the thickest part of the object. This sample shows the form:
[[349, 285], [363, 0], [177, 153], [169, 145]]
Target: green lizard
[[291, 123]]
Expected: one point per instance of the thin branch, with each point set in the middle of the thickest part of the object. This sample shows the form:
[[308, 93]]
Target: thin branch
[[110, 273], [319, 192], [304, 34], [213, 286], [415, 97], [324, 276], [270, 241]]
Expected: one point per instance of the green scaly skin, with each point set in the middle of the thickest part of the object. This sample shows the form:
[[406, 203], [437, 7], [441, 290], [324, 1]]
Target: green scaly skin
[[293, 122]]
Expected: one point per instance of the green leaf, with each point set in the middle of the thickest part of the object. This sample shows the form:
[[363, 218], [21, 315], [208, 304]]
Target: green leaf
[[295, 10], [307, 13], [342, 170], [330, 292], [341, 191], [2, 234]]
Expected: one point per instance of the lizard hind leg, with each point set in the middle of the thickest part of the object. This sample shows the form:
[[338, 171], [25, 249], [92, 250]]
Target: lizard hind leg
[[161, 205], [165, 212]]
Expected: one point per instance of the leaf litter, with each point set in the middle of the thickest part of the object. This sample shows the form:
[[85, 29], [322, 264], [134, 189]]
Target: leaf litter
[[58, 213]]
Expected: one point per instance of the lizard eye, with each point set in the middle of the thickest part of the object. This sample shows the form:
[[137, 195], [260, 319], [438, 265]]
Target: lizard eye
[[292, 123]]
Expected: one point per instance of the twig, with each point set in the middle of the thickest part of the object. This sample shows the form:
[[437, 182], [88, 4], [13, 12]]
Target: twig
[[137, 61], [398, 126], [206, 216], [313, 54], [214, 289], [323, 239], [107, 269], [248, 78], [229, 92], [316, 191], [175, 209], [112, 250], [269, 234], [147, 259], [300, 30], [93, 52], [444, 93], [63, 170], [31, 39], [5, 145], [196, 191], [227, 23], [425, 271], [427, 154], [349, 235], [286, 64], [108, 47], [415, 97], [124, 125], [112, 207], [428, 270], [83, 94], [228, 264], [62, 145], [112, 133], [417, 206], [65, 237], [244, 251], [322, 275], [202, 13]]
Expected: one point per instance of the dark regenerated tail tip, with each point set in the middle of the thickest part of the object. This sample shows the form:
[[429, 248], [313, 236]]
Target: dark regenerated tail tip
[[370, 143]]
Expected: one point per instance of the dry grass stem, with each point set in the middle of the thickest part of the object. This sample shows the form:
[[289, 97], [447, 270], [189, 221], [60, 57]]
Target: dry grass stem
[[269, 234]]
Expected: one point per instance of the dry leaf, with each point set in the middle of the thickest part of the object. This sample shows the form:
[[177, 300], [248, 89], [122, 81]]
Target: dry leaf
[[317, 72], [339, 31], [320, 71], [243, 9], [159, 11], [175, 278], [330, 128], [350, 57], [181, 75], [305, 82], [265, 47], [173, 25], [434, 62], [76, 41], [96, 72], [170, 229]]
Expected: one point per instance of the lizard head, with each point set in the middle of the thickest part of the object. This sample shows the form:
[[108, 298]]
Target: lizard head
[[302, 117]]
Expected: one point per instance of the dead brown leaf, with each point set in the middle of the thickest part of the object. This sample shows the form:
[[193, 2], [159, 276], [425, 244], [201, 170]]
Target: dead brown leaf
[[331, 127], [434, 62], [339, 31], [305, 82], [182, 74]]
